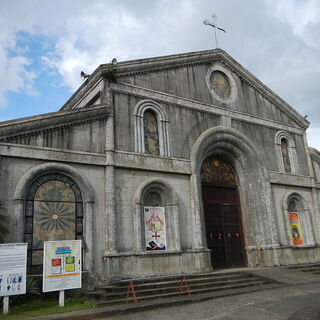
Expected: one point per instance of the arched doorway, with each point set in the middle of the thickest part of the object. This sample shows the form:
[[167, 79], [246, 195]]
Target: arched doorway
[[222, 214], [53, 211]]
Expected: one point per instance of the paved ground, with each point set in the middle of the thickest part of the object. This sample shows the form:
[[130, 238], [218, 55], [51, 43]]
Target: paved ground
[[274, 304], [298, 298]]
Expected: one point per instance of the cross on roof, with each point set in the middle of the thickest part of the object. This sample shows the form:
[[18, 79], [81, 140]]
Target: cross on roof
[[215, 26]]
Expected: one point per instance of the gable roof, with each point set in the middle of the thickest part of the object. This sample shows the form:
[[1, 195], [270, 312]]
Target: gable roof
[[157, 64]]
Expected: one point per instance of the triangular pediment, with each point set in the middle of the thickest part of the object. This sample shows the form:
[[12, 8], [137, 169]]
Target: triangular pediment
[[189, 76], [186, 75]]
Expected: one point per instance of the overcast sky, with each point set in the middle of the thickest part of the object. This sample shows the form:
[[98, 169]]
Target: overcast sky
[[44, 45]]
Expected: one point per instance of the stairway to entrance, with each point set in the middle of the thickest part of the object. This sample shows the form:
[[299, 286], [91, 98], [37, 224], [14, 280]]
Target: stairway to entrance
[[216, 284]]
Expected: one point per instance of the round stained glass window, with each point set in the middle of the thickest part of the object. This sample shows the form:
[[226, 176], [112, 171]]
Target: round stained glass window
[[220, 84]]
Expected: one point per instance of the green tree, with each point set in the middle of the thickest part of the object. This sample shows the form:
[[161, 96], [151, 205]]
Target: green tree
[[4, 221]]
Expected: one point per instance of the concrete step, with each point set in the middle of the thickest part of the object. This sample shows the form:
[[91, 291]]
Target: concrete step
[[174, 289], [190, 281], [247, 287], [207, 275], [212, 281], [167, 287]]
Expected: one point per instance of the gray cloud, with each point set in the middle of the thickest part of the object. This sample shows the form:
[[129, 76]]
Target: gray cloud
[[275, 40]]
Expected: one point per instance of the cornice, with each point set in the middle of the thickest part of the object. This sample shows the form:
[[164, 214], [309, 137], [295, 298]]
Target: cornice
[[314, 154], [53, 122], [177, 101], [291, 179], [86, 86]]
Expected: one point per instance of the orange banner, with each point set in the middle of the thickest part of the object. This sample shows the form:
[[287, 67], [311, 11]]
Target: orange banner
[[295, 228]]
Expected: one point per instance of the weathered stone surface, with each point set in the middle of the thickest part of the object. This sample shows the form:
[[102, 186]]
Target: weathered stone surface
[[206, 104]]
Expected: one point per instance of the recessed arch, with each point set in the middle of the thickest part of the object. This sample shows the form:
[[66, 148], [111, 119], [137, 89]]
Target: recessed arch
[[53, 211], [20, 197], [165, 197], [222, 214], [234, 147], [297, 216], [41, 169], [286, 152], [162, 122]]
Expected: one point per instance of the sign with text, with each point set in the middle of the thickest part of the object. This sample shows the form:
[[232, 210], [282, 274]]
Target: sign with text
[[296, 228], [13, 266], [62, 265], [155, 228]]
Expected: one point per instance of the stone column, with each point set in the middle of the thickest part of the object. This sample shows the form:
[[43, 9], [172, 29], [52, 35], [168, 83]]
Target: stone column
[[88, 232], [310, 167], [137, 227], [110, 210], [18, 221], [314, 215], [174, 214], [110, 218], [197, 237]]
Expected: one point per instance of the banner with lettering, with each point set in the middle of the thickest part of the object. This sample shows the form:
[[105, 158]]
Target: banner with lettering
[[155, 228], [61, 265], [13, 267]]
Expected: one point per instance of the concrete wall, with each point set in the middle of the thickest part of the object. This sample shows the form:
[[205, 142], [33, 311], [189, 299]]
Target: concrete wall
[[241, 131], [127, 182], [14, 171], [83, 137], [186, 125]]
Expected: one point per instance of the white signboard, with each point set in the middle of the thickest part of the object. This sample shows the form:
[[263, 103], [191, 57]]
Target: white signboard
[[61, 265], [13, 265], [155, 228]]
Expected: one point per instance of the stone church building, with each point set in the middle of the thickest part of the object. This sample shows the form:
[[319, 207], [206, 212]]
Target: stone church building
[[177, 164]]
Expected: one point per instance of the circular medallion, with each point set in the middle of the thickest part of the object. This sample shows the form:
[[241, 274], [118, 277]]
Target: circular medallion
[[220, 84]]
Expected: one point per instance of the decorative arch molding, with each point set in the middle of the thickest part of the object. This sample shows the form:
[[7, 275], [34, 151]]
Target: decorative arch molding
[[163, 126], [292, 152], [87, 194], [306, 220], [44, 168], [169, 200], [258, 217]]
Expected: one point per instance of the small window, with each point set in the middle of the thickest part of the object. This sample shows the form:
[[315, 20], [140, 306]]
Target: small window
[[285, 155], [286, 152]]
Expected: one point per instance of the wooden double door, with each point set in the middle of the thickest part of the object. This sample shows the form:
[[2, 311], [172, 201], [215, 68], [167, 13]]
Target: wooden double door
[[223, 226]]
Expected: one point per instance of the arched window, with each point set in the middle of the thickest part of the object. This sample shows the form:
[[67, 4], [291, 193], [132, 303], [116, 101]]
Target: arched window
[[285, 155], [151, 129], [151, 132], [215, 171], [299, 220], [53, 211], [286, 152], [157, 218]]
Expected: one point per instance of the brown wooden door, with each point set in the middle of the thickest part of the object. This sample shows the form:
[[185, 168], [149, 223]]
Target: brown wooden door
[[223, 226]]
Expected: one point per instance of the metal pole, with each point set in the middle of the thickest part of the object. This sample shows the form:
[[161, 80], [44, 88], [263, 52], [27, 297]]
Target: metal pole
[[61, 298], [5, 305]]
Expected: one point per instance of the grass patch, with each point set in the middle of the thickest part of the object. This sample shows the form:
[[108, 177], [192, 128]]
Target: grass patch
[[39, 307]]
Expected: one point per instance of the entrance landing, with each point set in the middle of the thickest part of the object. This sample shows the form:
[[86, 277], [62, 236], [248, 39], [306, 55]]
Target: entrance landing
[[295, 274], [289, 275]]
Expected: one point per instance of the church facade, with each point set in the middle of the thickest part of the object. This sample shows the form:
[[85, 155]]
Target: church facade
[[161, 166]]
